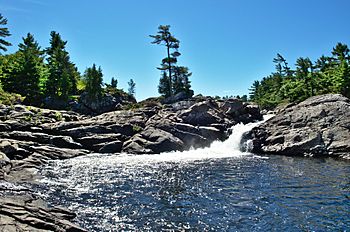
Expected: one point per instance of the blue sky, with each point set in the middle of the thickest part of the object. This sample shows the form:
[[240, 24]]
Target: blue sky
[[227, 44]]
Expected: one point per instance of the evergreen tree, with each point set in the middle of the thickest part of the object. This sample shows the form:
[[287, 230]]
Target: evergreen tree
[[323, 63], [181, 82], [114, 83], [341, 52], [164, 37], [131, 89], [253, 91], [94, 80], [33, 70], [164, 87], [174, 78], [4, 32], [281, 66], [11, 66], [327, 75], [63, 75], [304, 72]]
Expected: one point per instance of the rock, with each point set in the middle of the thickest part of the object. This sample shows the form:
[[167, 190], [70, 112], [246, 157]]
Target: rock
[[110, 147], [102, 105], [212, 133], [202, 114], [7, 147], [182, 105], [5, 165], [232, 107], [82, 131], [90, 141], [64, 142], [26, 213], [319, 126], [177, 97], [153, 140], [59, 153]]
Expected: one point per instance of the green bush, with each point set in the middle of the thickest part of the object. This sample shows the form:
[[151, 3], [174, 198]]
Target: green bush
[[9, 98]]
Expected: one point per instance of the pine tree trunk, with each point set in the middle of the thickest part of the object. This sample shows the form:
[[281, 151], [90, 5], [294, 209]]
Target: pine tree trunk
[[169, 63]]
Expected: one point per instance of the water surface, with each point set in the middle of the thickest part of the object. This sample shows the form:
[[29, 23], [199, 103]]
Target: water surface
[[212, 189]]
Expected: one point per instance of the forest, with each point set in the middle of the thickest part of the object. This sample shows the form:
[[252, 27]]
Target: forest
[[328, 74], [45, 77], [34, 75]]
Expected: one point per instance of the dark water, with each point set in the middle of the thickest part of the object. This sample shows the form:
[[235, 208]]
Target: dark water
[[194, 193]]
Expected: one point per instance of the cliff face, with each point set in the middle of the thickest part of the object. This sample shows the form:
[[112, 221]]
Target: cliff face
[[318, 126]]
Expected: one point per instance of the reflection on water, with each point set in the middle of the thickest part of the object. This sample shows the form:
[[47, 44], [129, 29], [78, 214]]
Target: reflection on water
[[234, 193]]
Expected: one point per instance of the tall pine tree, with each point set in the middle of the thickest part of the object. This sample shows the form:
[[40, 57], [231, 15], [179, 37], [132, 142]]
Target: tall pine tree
[[174, 78], [93, 79], [33, 70], [63, 75], [164, 37], [4, 32], [131, 89]]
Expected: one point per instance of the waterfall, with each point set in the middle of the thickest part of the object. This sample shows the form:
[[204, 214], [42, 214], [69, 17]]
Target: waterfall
[[218, 149]]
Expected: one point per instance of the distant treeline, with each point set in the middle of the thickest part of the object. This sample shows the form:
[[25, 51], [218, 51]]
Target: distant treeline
[[328, 74]]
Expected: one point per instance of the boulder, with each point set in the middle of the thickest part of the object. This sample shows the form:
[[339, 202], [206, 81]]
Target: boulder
[[177, 97], [7, 147], [319, 126], [110, 147], [232, 107], [201, 114], [65, 142], [104, 104], [153, 140]]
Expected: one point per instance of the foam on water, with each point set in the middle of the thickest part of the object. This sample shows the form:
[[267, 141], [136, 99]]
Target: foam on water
[[218, 149]]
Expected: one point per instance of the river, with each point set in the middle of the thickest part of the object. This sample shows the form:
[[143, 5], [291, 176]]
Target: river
[[213, 189]]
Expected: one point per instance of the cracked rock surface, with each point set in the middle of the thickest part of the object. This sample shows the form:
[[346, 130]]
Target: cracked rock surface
[[318, 126]]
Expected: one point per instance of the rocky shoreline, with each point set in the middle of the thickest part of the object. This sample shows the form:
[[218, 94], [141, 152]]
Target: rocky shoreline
[[30, 137], [317, 127]]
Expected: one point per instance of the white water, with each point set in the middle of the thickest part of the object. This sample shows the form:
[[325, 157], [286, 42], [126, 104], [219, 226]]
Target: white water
[[218, 149], [129, 164]]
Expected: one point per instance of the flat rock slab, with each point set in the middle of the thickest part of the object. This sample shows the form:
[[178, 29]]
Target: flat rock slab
[[26, 213]]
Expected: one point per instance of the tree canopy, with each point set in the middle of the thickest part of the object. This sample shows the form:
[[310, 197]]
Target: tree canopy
[[4, 32], [328, 74], [94, 81], [63, 75]]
